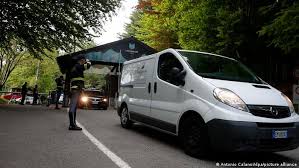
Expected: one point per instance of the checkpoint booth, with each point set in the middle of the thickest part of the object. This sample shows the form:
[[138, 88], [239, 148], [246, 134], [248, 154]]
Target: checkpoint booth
[[110, 55]]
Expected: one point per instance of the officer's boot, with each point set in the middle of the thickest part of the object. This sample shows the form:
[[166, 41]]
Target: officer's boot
[[72, 122], [71, 119], [75, 122], [75, 119]]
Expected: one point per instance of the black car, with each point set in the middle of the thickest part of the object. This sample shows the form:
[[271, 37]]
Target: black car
[[93, 99]]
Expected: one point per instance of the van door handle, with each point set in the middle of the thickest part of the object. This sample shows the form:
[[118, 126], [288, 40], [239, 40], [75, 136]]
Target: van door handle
[[149, 88], [155, 87]]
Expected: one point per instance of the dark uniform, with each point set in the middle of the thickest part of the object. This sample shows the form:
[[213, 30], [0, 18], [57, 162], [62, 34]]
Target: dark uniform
[[24, 93], [59, 83], [35, 95], [77, 84]]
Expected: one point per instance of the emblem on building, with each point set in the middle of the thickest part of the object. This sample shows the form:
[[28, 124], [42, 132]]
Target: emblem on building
[[131, 46]]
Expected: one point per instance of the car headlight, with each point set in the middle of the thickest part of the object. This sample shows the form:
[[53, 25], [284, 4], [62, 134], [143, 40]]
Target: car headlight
[[290, 104], [84, 99], [104, 100], [230, 98]]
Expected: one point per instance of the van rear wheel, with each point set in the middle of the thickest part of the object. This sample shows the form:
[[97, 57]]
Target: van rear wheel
[[124, 118], [193, 135]]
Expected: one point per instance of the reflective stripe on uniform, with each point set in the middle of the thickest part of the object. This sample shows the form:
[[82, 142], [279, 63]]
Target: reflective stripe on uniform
[[74, 87], [77, 79]]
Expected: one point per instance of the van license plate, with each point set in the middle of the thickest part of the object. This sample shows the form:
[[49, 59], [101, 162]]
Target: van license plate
[[279, 134]]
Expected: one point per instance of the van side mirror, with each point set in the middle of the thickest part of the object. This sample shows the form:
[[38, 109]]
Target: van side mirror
[[178, 77]]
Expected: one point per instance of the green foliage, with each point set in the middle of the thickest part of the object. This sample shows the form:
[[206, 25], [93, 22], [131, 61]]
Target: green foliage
[[230, 27], [284, 29], [9, 59], [151, 23], [27, 69], [47, 24], [94, 80], [197, 25], [131, 28]]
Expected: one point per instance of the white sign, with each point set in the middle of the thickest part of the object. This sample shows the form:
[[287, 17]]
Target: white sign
[[296, 94]]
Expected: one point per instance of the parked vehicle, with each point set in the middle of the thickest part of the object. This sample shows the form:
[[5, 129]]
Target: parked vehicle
[[212, 102], [12, 95], [60, 100], [52, 97], [29, 100], [18, 100], [90, 98]]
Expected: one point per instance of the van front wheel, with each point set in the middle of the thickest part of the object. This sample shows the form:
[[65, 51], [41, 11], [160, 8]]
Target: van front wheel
[[124, 118], [193, 135]]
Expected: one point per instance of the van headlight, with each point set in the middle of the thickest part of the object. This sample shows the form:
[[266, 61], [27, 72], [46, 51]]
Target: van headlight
[[230, 98], [290, 104]]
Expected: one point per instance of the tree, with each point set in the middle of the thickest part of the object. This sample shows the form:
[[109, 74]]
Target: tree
[[237, 28], [50, 25], [283, 30], [132, 27], [259, 33], [26, 71], [151, 24], [9, 59], [197, 24], [94, 80]]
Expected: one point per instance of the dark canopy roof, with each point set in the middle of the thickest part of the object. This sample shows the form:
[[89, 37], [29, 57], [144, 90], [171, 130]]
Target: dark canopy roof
[[108, 54]]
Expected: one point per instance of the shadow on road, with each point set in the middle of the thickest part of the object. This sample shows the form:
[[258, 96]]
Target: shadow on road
[[239, 157], [155, 135]]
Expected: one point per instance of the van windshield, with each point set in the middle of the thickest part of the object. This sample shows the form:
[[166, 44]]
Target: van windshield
[[217, 67]]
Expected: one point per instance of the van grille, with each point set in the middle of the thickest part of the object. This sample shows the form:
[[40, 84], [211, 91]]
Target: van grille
[[269, 111], [275, 125]]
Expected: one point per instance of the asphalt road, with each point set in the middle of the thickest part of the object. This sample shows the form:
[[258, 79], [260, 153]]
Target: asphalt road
[[37, 137]]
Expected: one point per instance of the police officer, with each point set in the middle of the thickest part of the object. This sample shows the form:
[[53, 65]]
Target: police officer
[[24, 93], [77, 84], [35, 95], [59, 83]]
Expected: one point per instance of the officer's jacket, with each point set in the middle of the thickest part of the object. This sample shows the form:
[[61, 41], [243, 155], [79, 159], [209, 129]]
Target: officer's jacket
[[24, 89], [77, 75], [59, 83]]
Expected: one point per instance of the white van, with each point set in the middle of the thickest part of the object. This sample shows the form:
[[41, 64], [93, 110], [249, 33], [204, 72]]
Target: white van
[[209, 101]]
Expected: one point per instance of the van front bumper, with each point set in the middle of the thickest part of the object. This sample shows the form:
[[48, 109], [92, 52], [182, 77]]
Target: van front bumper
[[236, 136]]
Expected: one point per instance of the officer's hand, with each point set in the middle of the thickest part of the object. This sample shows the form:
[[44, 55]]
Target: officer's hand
[[87, 65], [88, 62]]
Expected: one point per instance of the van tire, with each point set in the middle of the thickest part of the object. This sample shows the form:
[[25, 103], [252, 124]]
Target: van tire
[[194, 136], [124, 118]]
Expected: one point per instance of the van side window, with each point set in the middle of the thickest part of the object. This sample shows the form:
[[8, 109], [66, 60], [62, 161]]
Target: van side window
[[166, 62]]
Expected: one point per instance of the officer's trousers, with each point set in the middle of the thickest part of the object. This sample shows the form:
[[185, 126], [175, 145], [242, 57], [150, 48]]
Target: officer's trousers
[[23, 98], [75, 94], [58, 94]]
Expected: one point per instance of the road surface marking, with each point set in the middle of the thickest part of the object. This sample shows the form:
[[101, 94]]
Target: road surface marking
[[117, 160]]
